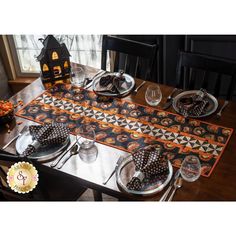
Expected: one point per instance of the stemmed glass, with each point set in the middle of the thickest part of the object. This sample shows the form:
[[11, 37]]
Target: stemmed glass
[[153, 95], [86, 140], [191, 168]]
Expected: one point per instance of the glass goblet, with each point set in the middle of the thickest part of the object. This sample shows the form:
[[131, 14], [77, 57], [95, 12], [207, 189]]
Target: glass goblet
[[153, 95], [86, 140], [191, 168]]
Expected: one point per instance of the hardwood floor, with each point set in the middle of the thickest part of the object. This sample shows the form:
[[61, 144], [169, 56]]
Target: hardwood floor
[[88, 196]]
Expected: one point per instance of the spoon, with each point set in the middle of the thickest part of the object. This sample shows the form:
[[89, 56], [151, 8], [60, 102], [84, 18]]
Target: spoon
[[73, 152], [139, 87], [177, 185]]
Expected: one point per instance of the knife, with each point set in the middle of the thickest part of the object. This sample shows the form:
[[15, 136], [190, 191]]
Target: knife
[[113, 172], [13, 139], [100, 73], [165, 195]]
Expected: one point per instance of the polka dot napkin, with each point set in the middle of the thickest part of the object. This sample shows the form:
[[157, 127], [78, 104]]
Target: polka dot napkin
[[45, 135], [194, 105], [148, 163]]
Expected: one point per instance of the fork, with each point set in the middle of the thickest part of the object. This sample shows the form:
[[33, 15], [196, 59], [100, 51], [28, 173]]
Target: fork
[[218, 115], [90, 80], [171, 94], [170, 98], [13, 139]]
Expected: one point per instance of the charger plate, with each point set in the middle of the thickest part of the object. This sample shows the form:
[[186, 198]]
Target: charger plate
[[211, 108], [125, 172], [128, 85], [43, 153]]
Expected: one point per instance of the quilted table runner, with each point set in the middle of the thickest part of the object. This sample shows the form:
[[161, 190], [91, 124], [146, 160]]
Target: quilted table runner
[[129, 126]]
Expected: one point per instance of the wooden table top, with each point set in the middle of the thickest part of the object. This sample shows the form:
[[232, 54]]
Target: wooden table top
[[221, 185]]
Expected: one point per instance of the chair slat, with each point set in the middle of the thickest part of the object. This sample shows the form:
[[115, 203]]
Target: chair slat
[[191, 78], [116, 63], [207, 64], [204, 83], [217, 85], [131, 48], [136, 67], [231, 88]]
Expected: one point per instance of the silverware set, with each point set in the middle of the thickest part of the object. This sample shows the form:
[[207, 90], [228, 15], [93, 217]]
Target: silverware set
[[69, 149], [172, 183], [170, 98], [74, 150], [177, 185]]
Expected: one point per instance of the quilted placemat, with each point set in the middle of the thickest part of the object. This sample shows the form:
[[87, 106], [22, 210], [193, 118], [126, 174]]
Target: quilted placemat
[[129, 126]]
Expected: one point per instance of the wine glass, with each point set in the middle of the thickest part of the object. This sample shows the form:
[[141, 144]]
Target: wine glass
[[86, 140], [77, 76], [153, 95], [191, 168]]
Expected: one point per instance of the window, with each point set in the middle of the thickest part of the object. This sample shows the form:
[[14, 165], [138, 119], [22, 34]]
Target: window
[[84, 49]]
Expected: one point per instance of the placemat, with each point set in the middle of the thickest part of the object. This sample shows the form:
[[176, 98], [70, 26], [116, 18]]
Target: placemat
[[129, 126]]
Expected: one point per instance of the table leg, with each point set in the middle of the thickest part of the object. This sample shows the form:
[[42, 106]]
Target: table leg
[[97, 195]]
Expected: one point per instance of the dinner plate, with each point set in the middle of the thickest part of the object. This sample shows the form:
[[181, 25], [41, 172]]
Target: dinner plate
[[44, 153], [211, 108], [125, 172], [127, 87]]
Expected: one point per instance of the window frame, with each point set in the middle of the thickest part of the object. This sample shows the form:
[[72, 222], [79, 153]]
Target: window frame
[[15, 59]]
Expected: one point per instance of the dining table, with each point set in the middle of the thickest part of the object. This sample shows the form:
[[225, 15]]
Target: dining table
[[219, 186]]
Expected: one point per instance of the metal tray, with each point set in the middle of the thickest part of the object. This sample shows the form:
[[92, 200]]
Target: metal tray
[[43, 153], [130, 83], [211, 108], [125, 172]]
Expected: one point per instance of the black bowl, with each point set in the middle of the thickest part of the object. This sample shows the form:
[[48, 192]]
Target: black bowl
[[7, 118]]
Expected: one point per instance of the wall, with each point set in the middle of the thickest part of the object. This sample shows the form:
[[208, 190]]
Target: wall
[[5, 92]]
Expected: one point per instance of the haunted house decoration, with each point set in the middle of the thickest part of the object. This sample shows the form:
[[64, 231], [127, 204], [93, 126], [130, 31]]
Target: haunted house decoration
[[54, 62]]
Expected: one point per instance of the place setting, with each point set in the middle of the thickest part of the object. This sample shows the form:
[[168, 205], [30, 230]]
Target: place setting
[[148, 171], [103, 83], [193, 103], [53, 143]]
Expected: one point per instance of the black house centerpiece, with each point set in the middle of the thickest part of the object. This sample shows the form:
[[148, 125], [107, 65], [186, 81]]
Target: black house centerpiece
[[54, 62]]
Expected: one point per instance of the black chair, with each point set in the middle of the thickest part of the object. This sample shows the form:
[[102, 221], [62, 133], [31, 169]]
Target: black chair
[[203, 71], [52, 186], [135, 58]]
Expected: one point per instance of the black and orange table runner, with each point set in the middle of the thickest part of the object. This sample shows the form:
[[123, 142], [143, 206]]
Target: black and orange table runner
[[129, 126]]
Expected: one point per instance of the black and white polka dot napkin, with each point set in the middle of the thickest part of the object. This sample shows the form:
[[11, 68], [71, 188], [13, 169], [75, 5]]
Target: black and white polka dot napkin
[[148, 163], [45, 135], [194, 105]]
